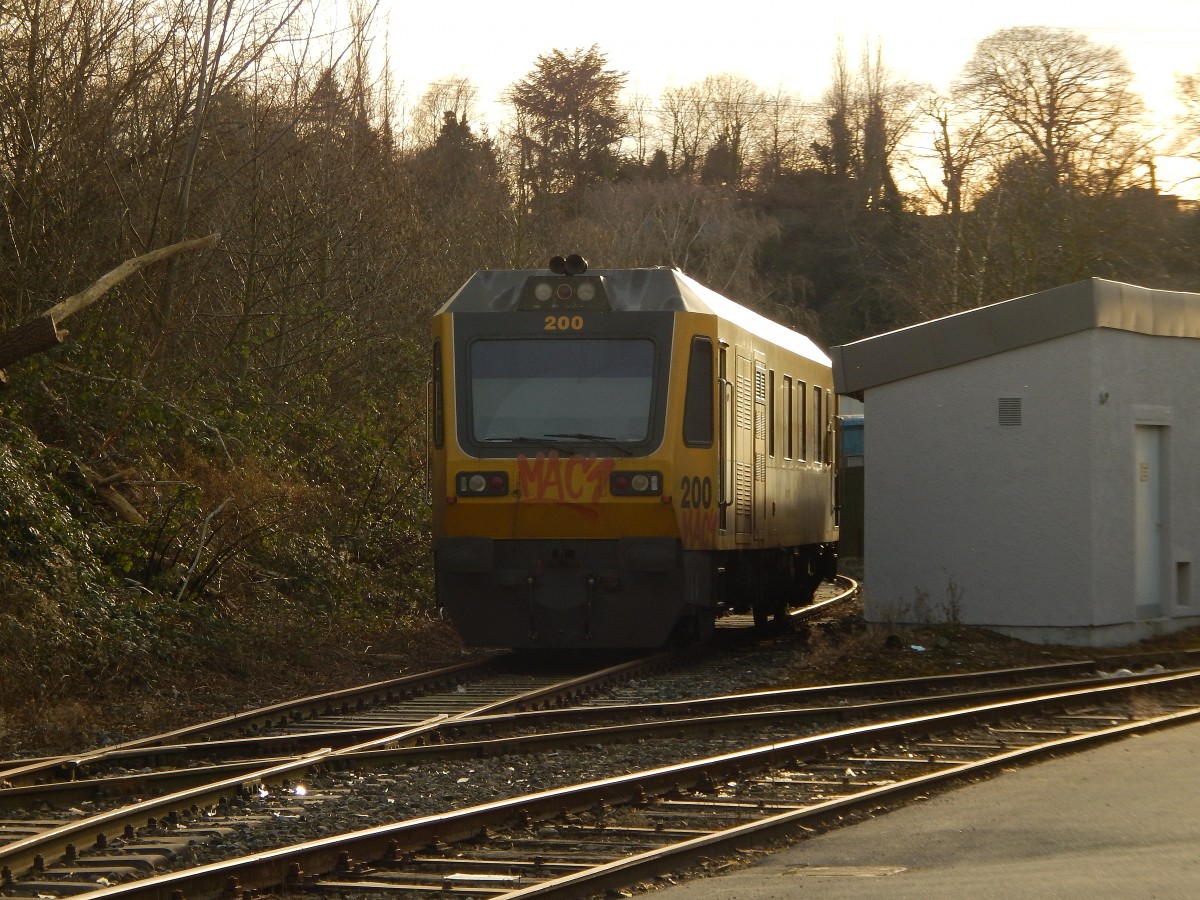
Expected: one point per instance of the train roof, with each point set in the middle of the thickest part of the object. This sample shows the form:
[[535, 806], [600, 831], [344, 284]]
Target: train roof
[[634, 290], [1010, 324]]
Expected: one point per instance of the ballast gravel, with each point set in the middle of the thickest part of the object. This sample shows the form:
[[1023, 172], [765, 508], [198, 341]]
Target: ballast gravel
[[341, 802]]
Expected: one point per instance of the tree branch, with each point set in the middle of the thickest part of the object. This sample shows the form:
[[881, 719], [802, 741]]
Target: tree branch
[[42, 333]]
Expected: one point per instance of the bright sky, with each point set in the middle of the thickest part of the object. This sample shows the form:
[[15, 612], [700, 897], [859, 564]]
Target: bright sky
[[775, 44]]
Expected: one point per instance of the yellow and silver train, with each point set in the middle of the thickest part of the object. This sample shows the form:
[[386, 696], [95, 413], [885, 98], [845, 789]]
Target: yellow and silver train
[[620, 456]]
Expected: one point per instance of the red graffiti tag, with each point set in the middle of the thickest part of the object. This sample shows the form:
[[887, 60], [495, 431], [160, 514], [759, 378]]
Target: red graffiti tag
[[549, 479], [698, 528]]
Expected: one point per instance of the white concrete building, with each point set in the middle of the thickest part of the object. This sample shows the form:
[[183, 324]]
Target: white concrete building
[[1033, 466]]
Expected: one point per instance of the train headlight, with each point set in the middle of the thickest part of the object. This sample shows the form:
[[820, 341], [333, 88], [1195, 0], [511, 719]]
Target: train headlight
[[482, 484], [635, 484], [561, 291]]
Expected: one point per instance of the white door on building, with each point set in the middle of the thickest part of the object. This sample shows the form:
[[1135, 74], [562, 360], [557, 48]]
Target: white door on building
[[1148, 519]]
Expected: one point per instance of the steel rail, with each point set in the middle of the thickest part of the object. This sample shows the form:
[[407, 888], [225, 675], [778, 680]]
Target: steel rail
[[20, 855], [24, 771], [15, 773], [622, 872], [170, 743], [296, 743], [273, 868], [596, 725], [584, 733], [790, 696], [850, 589]]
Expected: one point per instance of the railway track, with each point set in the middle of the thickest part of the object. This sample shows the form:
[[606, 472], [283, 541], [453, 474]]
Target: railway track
[[582, 839], [267, 752], [519, 844], [343, 718], [224, 789], [349, 714], [782, 712]]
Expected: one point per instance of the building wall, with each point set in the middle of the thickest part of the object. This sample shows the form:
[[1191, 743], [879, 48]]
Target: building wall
[[1029, 528], [1145, 383]]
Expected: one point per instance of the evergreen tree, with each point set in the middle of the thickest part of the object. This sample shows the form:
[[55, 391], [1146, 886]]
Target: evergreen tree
[[569, 123]]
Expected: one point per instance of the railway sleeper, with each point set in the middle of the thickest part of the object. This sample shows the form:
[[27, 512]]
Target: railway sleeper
[[512, 860]]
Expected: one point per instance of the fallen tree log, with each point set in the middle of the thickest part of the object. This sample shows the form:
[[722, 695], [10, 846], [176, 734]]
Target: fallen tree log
[[103, 486], [42, 333], [35, 336]]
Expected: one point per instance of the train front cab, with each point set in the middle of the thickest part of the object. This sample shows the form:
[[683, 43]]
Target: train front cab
[[557, 448], [598, 481]]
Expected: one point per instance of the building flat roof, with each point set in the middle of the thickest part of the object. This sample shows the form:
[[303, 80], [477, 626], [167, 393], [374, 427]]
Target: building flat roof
[[1009, 325]]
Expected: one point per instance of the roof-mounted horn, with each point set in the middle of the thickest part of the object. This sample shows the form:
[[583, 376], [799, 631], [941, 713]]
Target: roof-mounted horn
[[571, 265]]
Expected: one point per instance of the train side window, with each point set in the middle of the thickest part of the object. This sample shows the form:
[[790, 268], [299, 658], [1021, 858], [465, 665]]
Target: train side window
[[725, 447], [802, 411], [698, 401], [438, 423], [771, 413], [788, 443], [816, 424]]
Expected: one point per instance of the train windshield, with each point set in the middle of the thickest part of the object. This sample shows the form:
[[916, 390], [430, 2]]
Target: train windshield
[[578, 390]]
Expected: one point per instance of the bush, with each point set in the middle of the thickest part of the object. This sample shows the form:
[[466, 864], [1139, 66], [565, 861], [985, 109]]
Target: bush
[[267, 529]]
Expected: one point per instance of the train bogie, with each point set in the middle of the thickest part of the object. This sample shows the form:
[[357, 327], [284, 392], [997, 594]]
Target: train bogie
[[617, 457]]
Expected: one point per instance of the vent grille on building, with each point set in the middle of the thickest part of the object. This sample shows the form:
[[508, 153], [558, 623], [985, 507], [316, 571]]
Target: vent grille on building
[[1010, 410]]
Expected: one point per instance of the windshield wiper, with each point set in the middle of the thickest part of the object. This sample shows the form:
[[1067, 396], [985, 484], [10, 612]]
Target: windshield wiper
[[598, 438], [556, 440], [543, 441]]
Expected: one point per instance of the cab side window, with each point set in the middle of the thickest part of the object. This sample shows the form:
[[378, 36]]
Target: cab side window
[[698, 401]]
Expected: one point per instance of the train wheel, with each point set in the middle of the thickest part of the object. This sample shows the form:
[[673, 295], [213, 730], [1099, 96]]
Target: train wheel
[[692, 629], [765, 613]]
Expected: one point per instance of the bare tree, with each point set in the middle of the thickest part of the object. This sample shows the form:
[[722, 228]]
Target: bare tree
[[839, 155], [887, 110], [67, 73], [788, 130], [961, 148], [225, 40], [642, 132], [1188, 91], [455, 95], [688, 128], [1058, 125], [699, 229], [868, 116], [1056, 95], [738, 112]]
